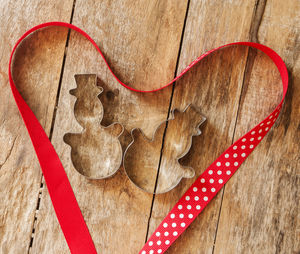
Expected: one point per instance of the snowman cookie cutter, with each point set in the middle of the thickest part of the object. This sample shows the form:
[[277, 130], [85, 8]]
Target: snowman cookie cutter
[[95, 141], [96, 152]]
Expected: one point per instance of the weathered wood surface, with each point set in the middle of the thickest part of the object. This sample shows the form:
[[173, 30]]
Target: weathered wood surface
[[257, 211]]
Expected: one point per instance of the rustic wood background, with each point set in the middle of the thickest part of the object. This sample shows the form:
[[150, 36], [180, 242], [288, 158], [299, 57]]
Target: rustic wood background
[[147, 43]]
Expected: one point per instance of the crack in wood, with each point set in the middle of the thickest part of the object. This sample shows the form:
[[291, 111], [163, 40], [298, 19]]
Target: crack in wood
[[35, 215], [258, 14]]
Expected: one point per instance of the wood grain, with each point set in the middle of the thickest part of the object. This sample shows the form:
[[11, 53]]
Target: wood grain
[[214, 85], [260, 209], [20, 175], [116, 211]]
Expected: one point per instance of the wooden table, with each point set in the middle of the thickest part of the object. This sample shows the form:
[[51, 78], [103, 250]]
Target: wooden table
[[147, 43]]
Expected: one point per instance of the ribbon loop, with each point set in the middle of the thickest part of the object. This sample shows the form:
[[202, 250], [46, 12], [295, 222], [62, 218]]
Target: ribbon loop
[[192, 202]]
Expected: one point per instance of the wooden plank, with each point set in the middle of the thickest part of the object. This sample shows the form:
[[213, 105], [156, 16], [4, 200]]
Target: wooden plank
[[132, 36], [20, 175], [214, 85], [260, 210]]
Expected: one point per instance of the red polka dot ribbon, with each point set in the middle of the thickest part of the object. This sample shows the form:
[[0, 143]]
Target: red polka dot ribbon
[[191, 203]]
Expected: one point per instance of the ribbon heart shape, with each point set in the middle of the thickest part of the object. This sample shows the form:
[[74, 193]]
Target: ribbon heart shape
[[190, 204]]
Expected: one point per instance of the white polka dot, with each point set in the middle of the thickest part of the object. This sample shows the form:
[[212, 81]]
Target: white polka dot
[[158, 243], [243, 154], [203, 189], [157, 234], [181, 215], [189, 207], [218, 164], [251, 139], [213, 189], [228, 172], [210, 172], [243, 139], [198, 207], [260, 131], [253, 132], [205, 198], [271, 117], [190, 215], [159, 251], [236, 163], [165, 225], [211, 180], [187, 198], [180, 207], [175, 233], [195, 189], [235, 155], [166, 233], [251, 146], [259, 138], [219, 172], [226, 155], [182, 224], [151, 251], [174, 225], [267, 128], [150, 243], [143, 252], [235, 147], [220, 181], [268, 122], [196, 198], [243, 147], [202, 180], [261, 124], [167, 242], [227, 164]]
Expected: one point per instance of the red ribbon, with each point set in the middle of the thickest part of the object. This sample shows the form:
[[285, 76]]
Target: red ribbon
[[191, 203]]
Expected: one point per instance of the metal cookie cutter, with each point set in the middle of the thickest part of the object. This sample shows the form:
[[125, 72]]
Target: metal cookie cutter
[[143, 156], [96, 152]]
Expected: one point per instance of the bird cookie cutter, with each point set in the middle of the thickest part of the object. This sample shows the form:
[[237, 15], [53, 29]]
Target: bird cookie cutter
[[156, 169]]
